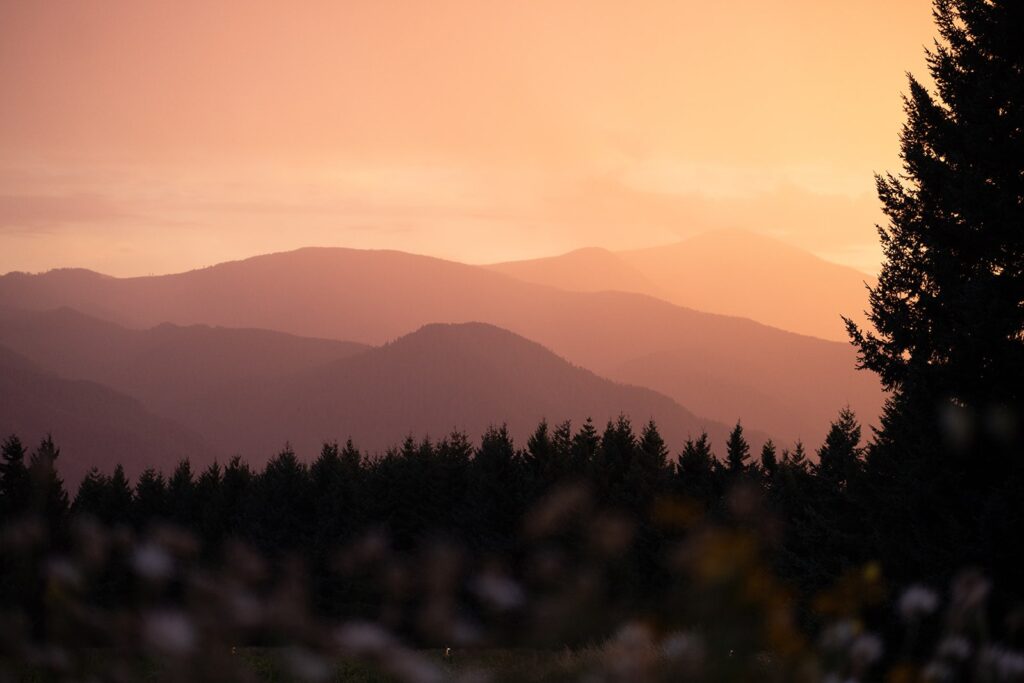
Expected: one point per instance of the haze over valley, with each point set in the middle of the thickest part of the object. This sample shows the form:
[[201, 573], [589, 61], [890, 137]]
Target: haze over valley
[[323, 344]]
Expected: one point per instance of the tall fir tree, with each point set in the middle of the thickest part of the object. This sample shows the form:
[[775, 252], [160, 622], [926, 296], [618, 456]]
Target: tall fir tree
[[696, 473], [14, 480], [839, 458], [648, 469], [737, 452], [120, 496], [92, 494], [584, 448], [948, 309], [49, 499], [769, 461], [150, 498]]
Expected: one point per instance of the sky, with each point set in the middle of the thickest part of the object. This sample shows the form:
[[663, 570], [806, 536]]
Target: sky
[[154, 137]]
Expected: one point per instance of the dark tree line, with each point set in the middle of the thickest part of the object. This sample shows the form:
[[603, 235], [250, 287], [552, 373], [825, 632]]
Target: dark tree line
[[480, 497], [947, 465]]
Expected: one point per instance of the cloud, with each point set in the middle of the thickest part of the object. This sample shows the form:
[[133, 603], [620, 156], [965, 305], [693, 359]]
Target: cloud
[[48, 213], [608, 208]]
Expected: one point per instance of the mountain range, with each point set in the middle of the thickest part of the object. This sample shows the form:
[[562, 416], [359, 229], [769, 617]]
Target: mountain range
[[715, 365], [92, 424], [279, 388], [734, 272], [213, 348]]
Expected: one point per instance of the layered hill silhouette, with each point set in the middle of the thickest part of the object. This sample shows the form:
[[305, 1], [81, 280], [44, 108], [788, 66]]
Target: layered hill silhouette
[[733, 272], [92, 424], [435, 380], [376, 296], [441, 378], [591, 269], [163, 366]]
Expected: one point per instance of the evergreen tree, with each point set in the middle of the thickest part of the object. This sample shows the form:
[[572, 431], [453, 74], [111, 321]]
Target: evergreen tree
[[797, 458], [212, 521], [616, 452], [541, 460], [695, 471], [236, 488], [769, 461], [648, 470], [327, 477], [947, 309], [180, 494], [496, 498], [48, 497], [839, 458], [737, 452], [150, 498], [562, 448], [119, 497], [451, 465], [653, 453], [14, 479], [584, 449], [947, 312], [283, 514], [92, 494]]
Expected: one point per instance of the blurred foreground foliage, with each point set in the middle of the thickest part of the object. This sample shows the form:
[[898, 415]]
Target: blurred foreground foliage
[[587, 555]]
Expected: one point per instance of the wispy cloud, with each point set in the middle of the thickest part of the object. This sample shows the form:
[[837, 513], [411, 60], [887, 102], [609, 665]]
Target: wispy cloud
[[49, 213]]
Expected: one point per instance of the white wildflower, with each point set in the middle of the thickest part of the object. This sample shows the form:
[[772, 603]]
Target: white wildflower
[[918, 602], [683, 647], [151, 561], [865, 650], [839, 635], [1008, 665]]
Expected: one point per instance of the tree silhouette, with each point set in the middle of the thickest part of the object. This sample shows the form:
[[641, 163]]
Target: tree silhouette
[[150, 498], [181, 494], [839, 458], [945, 468], [14, 480], [613, 458], [769, 461], [947, 309], [737, 452], [585, 443], [696, 470], [92, 494], [648, 469], [48, 497]]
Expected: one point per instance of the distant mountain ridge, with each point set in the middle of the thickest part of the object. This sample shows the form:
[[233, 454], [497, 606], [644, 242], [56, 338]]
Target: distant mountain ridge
[[92, 424], [163, 365], [376, 296], [442, 377], [731, 272]]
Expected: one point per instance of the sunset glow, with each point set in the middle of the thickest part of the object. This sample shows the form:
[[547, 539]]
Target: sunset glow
[[144, 138]]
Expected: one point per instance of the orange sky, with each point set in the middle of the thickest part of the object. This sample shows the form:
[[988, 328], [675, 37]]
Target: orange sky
[[140, 137]]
